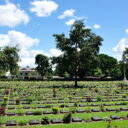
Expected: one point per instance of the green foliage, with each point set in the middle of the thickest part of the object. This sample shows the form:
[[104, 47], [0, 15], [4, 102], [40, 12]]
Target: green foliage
[[29, 99], [43, 65], [48, 106], [70, 97], [45, 120], [55, 109], [125, 55], [62, 105], [66, 74], [9, 59], [75, 104], [124, 96], [106, 64], [67, 118], [15, 94], [5, 99], [12, 59], [124, 103], [37, 112], [17, 101], [33, 74], [3, 63], [99, 98], [80, 51], [98, 72], [116, 72]]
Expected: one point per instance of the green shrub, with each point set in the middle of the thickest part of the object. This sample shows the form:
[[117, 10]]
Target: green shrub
[[5, 99], [45, 120], [37, 112], [62, 105], [48, 106], [124, 96], [99, 98], [106, 119], [55, 110], [15, 94], [17, 101], [67, 118], [70, 97], [124, 103], [75, 104], [29, 99]]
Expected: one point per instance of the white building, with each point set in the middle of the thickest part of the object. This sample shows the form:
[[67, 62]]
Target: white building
[[26, 73]]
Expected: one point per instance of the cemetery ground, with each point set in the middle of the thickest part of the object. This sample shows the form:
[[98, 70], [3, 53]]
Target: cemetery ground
[[60, 105]]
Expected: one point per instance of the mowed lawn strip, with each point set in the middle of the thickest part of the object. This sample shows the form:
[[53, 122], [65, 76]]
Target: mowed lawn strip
[[120, 124], [51, 116]]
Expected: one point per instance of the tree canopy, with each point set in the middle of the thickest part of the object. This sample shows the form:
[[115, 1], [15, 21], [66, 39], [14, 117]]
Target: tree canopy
[[79, 50], [43, 65], [9, 60], [125, 62]]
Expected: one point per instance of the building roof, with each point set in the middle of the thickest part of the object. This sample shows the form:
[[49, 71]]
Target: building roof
[[27, 69]]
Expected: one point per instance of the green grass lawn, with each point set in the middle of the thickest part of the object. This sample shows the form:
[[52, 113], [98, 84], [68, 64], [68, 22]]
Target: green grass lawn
[[120, 124], [51, 116]]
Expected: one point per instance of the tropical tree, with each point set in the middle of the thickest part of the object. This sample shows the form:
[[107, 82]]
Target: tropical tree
[[12, 59], [3, 63], [116, 72], [79, 50], [43, 65], [107, 64], [98, 72], [125, 61]]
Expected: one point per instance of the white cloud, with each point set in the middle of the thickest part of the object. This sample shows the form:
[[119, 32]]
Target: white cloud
[[70, 22], [126, 30], [55, 52], [27, 62], [43, 8], [13, 38], [87, 27], [119, 48], [11, 15], [28, 57], [67, 13], [25, 43], [97, 26]]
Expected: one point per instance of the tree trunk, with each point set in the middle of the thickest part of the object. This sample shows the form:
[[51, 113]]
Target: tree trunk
[[76, 80], [76, 67]]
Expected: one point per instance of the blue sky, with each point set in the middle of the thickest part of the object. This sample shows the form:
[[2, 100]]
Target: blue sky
[[31, 24]]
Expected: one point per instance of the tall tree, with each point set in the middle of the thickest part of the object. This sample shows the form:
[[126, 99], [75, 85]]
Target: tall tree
[[79, 50], [107, 64], [125, 62], [12, 57], [43, 65], [3, 63]]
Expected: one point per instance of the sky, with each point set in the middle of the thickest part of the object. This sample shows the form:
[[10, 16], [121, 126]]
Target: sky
[[30, 25]]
